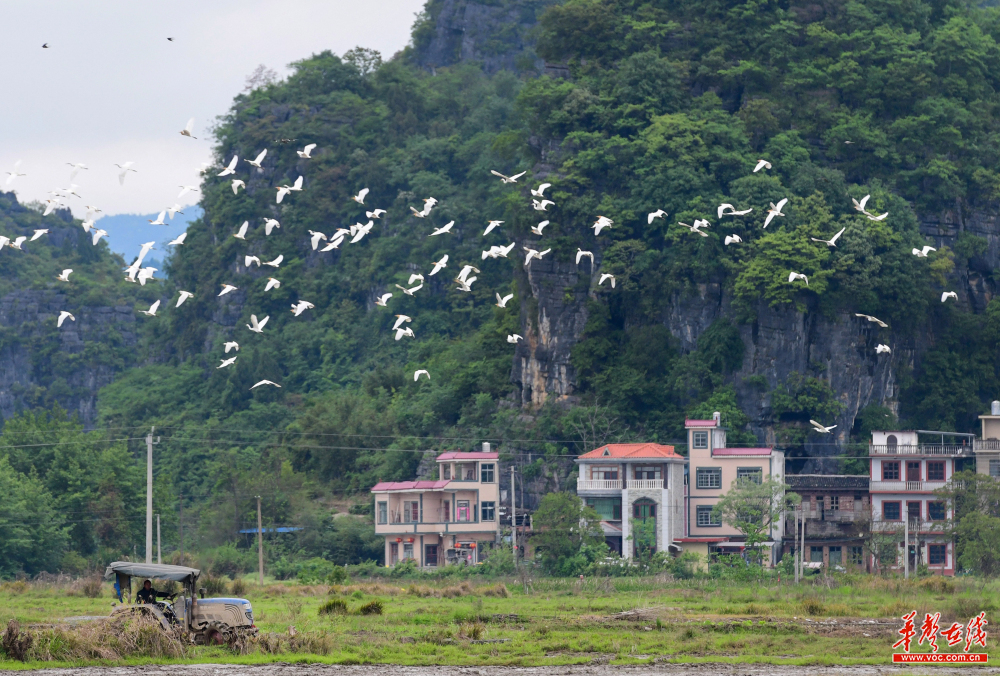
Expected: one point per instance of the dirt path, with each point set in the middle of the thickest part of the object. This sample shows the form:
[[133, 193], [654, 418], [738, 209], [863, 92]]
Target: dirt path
[[281, 669]]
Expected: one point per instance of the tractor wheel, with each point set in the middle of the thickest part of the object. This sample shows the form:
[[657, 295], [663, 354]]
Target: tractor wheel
[[216, 633]]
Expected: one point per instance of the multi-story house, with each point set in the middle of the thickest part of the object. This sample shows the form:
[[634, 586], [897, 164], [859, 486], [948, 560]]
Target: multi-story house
[[833, 507], [712, 469], [441, 521], [904, 475], [987, 449], [631, 484]]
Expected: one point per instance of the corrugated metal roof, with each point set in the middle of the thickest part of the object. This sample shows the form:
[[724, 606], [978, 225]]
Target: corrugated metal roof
[[459, 455], [384, 486]]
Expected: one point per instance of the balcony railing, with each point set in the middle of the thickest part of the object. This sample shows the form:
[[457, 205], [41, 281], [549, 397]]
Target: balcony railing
[[646, 484], [835, 515], [920, 449], [986, 445], [905, 486], [598, 484]]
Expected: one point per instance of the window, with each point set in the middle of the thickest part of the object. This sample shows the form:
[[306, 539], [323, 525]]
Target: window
[[462, 506], [651, 472], [754, 474], [644, 509], [488, 510], [891, 511], [935, 511], [706, 518], [836, 555], [816, 554], [709, 477], [446, 472], [913, 471], [835, 502], [604, 473], [699, 439], [383, 512], [935, 471], [394, 553], [937, 555], [430, 555], [891, 441], [470, 472], [890, 471], [411, 512], [447, 510], [995, 469], [610, 509], [486, 473], [857, 555], [407, 551]]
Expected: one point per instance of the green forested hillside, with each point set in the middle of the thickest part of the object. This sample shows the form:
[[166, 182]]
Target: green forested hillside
[[665, 105]]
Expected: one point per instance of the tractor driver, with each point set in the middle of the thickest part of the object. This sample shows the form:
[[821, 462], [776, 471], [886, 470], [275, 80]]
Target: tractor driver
[[147, 594]]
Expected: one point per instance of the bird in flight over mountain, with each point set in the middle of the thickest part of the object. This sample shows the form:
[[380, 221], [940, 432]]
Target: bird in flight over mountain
[[879, 349], [514, 338], [360, 231], [257, 326], [792, 276], [304, 153], [541, 206], [761, 164], [438, 265], [411, 291], [237, 184], [540, 192], [416, 375], [242, 233], [276, 262], [532, 253], [183, 297], [315, 237], [97, 234], [443, 229], [922, 253], [126, 168], [695, 229], [76, 169], [226, 362], [188, 129], [775, 210], [64, 275], [151, 312], [491, 226], [508, 179], [732, 239], [159, 219], [502, 302], [606, 276], [360, 197], [18, 242], [63, 316], [601, 223], [580, 254], [860, 206], [876, 320], [383, 299], [659, 213], [232, 345], [272, 283], [260, 158], [726, 209], [227, 288], [948, 294], [820, 428], [247, 260], [264, 382], [11, 175], [301, 306], [270, 224], [537, 229], [375, 214], [174, 210], [404, 332], [832, 241], [180, 239], [400, 320], [231, 167], [185, 189], [38, 233], [880, 217], [417, 276]]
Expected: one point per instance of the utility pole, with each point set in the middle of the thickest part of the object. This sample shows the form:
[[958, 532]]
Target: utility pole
[[158, 559], [181, 522], [260, 545], [802, 548], [798, 552], [149, 493], [906, 541], [513, 518]]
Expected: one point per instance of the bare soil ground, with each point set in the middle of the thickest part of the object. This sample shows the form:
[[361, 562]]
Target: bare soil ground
[[284, 669]]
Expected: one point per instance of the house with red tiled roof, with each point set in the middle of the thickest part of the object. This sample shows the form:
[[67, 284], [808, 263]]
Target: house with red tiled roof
[[638, 489], [712, 469], [442, 521]]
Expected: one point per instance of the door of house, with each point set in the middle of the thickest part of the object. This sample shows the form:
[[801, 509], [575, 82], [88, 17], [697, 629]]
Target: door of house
[[913, 471], [430, 555], [394, 553], [447, 511], [462, 507]]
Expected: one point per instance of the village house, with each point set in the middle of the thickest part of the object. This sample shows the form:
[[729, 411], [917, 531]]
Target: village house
[[443, 521], [635, 487], [987, 449], [833, 507], [712, 469]]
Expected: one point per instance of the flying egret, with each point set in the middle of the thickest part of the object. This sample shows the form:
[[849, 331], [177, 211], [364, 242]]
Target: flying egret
[[580, 253], [242, 233], [63, 316], [514, 338], [38, 233], [188, 128], [726, 209], [64, 275], [400, 320], [301, 306], [860, 206], [792, 276], [360, 197], [180, 239], [601, 223], [231, 167], [227, 288], [11, 175], [659, 213], [410, 292], [247, 260], [438, 265], [508, 179], [185, 189], [383, 299], [532, 253], [732, 239], [876, 320], [820, 428], [491, 226], [948, 294], [272, 283], [174, 210], [76, 169], [126, 168], [922, 253], [151, 312], [375, 214], [232, 345], [260, 158], [502, 302], [605, 276], [832, 241], [184, 295], [537, 229], [264, 382], [761, 164], [404, 332], [416, 375], [415, 277], [270, 224], [257, 326], [541, 206], [98, 233], [775, 210], [237, 184], [226, 362], [879, 349], [159, 219], [443, 229], [305, 152], [276, 262]]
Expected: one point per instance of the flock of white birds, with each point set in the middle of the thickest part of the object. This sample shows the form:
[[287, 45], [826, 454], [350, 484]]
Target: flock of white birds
[[136, 273]]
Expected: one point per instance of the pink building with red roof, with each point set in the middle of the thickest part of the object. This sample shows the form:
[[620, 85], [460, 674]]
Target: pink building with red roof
[[712, 470], [441, 521], [638, 489]]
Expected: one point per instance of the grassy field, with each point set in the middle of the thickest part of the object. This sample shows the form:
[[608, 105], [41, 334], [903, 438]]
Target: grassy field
[[554, 621]]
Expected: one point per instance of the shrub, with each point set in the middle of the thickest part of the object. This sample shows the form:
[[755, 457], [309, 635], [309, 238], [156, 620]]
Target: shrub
[[228, 560], [373, 607], [238, 587], [315, 570], [214, 586], [473, 630], [812, 607], [404, 567], [499, 590], [337, 576], [91, 587], [334, 607]]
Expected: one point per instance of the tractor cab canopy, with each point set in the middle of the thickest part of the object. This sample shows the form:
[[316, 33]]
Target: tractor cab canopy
[[122, 573]]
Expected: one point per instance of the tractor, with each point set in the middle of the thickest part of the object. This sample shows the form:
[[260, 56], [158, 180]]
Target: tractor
[[205, 621]]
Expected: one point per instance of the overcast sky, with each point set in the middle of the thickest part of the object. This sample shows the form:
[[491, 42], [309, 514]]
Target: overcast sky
[[111, 87]]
